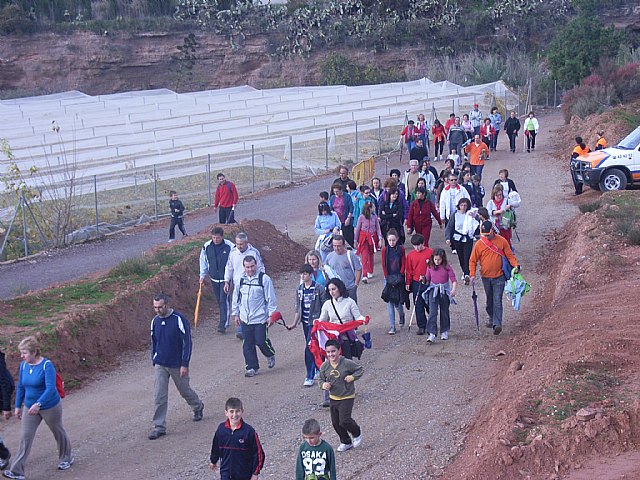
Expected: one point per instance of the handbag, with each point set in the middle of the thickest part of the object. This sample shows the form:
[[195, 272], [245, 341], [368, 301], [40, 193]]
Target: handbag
[[506, 266], [355, 346]]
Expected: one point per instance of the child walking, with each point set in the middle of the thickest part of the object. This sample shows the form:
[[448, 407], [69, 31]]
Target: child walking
[[316, 460], [368, 238], [393, 267], [337, 375], [439, 292], [177, 212], [236, 446]]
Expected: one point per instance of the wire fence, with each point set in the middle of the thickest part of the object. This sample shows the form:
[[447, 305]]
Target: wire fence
[[137, 194]]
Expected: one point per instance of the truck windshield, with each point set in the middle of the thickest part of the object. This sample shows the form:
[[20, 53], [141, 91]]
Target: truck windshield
[[631, 141]]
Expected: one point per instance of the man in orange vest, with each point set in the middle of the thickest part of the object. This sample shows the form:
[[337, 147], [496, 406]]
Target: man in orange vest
[[580, 149]]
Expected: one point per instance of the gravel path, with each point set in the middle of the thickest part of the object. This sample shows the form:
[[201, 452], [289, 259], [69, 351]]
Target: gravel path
[[414, 402]]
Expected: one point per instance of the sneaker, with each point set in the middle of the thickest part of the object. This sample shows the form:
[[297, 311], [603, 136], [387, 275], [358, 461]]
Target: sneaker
[[365, 280], [222, 331], [401, 322], [317, 375], [369, 275], [488, 325], [4, 462], [497, 329], [467, 279], [65, 465], [154, 435], [197, 414], [444, 336], [392, 331], [10, 474], [326, 404], [250, 372], [239, 336], [308, 382], [271, 361], [432, 338], [420, 331], [454, 252], [343, 447], [170, 241], [357, 441]]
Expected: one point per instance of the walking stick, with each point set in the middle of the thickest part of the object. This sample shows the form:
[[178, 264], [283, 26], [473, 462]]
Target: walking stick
[[413, 313], [474, 297], [197, 312]]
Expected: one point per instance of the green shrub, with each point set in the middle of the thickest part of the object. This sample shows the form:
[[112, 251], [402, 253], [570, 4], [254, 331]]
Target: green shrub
[[339, 70], [14, 19], [634, 236], [589, 207], [133, 267]]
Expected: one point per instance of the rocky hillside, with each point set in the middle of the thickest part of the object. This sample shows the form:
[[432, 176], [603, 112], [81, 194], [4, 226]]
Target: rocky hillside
[[117, 62]]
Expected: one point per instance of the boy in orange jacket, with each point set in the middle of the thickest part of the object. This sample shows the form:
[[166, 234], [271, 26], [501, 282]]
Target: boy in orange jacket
[[414, 275]]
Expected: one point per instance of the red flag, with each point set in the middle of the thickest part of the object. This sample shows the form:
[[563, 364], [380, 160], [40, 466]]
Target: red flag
[[323, 331]]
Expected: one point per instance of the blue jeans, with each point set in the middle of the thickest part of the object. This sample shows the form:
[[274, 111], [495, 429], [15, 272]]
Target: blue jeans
[[477, 170], [309, 361], [391, 308], [255, 335], [440, 302], [494, 288], [223, 304]]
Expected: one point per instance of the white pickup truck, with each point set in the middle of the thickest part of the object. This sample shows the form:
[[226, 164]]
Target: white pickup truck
[[612, 168]]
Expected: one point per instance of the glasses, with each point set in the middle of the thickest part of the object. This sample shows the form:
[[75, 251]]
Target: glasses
[[453, 179]]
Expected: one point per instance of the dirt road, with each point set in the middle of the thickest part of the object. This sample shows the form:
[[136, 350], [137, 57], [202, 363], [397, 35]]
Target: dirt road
[[414, 402]]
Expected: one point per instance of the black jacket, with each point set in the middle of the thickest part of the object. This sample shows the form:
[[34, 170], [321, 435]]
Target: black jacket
[[177, 208], [511, 125], [6, 385]]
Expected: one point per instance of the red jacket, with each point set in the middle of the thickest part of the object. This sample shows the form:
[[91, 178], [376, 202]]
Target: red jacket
[[226, 195], [422, 216], [487, 132], [417, 265], [448, 124], [439, 133], [409, 132], [403, 263]]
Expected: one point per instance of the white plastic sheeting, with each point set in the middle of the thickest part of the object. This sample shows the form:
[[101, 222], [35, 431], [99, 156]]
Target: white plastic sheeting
[[109, 135]]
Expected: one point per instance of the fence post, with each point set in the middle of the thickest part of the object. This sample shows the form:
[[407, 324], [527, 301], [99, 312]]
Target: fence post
[[453, 105], [326, 149], [506, 108], [555, 93], [155, 193], [355, 160], [209, 179], [95, 203], [290, 159], [24, 227], [253, 170], [379, 135]]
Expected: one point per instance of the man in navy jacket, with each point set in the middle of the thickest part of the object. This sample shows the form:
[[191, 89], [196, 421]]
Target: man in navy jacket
[[170, 355]]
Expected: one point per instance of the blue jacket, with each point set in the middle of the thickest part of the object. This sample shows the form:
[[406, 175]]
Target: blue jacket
[[171, 341], [213, 259], [239, 451]]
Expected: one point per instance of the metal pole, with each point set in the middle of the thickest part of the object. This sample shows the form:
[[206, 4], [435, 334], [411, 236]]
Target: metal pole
[[453, 105], [355, 160], [95, 203], [326, 149], [155, 193], [209, 179], [24, 228], [6, 235], [290, 159], [253, 170], [379, 135], [555, 93]]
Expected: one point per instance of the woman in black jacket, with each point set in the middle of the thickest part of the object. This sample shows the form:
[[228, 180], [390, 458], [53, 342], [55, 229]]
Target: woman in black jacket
[[512, 127], [392, 215]]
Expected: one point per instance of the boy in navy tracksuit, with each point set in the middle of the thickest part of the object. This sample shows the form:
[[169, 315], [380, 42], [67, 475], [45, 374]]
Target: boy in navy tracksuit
[[237, 446], [6, 390], [177, 214]]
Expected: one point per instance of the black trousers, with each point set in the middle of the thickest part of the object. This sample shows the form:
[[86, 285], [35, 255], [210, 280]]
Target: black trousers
[[172, 228], [342, 421], [223, 215], [463, 249]]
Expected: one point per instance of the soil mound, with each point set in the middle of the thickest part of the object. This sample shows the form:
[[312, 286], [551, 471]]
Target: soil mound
[[92, 338], [568, 385]]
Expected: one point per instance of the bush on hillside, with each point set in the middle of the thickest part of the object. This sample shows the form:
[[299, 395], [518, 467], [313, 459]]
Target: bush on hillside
[[598, 92], [14, 19], [339, 70]]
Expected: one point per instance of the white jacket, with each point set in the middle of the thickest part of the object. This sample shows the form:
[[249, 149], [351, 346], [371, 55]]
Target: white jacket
[[253, 303], [235, 269], [458, 192], [534, 121]]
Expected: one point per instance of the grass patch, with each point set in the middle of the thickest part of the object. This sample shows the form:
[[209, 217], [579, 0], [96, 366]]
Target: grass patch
[[623, 209], [133, 267], [589, 207], [634, 236]]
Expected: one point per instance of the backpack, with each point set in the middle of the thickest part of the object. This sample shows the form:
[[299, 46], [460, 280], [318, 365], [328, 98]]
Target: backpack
[[508, 219], [260, 284], [59, 381]]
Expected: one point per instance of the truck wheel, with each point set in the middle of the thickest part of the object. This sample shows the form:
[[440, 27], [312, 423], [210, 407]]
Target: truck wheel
[[612, 180]]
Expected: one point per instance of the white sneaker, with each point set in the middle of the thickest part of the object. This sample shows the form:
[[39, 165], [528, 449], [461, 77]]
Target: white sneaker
[[250, 372], [444, 336], [432, 338], [357, 441], [369, 275], [308, 382], [454, 252], [392, 331], [343, 447], [365, 280]]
